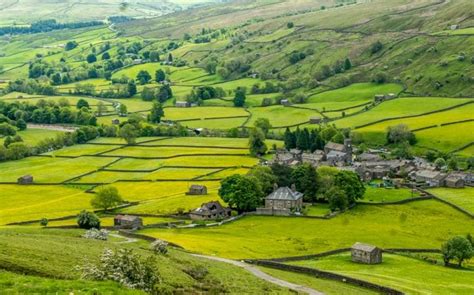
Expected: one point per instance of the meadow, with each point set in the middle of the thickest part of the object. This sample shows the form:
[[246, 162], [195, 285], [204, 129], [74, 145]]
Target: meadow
[[409, 275], [463, 198], [164, 168], [385, 226]]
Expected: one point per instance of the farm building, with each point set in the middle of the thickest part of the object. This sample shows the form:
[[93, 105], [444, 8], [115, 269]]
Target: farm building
[[209, 211], [26, 179], [367, 254], [454, 181], [182, 104], [128, 222], [285, 102], [313, 158], [430, 178], [282, 201], [115, 121], [197, 190], [315, 120]]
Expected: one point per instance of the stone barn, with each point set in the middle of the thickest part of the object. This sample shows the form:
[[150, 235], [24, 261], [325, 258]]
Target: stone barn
[[26, 179], [182, 104], [197, 190], [128, 222], [364, 253]]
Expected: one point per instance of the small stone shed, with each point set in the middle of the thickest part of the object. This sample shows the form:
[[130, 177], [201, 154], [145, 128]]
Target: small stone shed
[[182, 104], [197, 190], [364, 253], [128, 222], [26, 179]]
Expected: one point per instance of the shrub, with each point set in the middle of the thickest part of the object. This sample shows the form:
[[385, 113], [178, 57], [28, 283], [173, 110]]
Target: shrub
[[124, 267], [44, 221], [159, 246], [197, 272], [96, 234], [88, 220]]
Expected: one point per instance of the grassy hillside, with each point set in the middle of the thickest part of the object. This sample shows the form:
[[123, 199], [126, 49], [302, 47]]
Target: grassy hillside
[[53, 254], [26, 11]]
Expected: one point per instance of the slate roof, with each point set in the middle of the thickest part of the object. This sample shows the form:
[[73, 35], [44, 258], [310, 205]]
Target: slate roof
[[285, 194], [335, 146], [430, 174], [210, 208], [363, 247]]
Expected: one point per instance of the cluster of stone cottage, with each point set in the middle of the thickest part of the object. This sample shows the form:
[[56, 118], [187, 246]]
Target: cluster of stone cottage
[[370, 165]]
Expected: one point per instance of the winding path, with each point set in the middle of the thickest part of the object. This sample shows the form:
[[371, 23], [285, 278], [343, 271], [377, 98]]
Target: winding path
[[260, 274]]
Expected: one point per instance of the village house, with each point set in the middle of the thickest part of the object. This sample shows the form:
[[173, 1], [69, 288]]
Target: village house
[[26, 179], [367, 254], [197, 190], [314, 159], [339, 153], [430, 178], [210, 211], [455, 181], [282, 201], [369, 157], [128, 222]]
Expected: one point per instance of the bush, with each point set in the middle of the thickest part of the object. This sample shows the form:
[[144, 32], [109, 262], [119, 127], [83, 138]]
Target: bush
[[197, 272], [124, 267], [96, 234], [88, 220], [44, 221], [159, 246]]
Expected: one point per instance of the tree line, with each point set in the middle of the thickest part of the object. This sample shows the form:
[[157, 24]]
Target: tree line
[[46, 26]]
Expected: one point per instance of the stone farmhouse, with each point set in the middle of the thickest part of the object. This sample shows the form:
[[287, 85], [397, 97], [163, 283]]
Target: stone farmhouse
[[282, 201], [210, 211], [197, 190], [26, 179], [128, 222], [455, 180], [368, 254]]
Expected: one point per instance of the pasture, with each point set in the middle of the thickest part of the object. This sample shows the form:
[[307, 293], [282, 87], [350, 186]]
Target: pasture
[[410, 275], [385, 226], [463, 198], [157, 173]]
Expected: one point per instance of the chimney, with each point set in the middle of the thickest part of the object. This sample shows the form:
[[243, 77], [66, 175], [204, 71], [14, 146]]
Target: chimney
[[293, 187], [275, 186]]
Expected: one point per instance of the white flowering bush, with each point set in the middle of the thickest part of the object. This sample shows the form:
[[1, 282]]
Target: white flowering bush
[[159, 246], [96, 234], [125, 267]]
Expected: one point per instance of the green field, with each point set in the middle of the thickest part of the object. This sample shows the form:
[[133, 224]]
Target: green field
[[23, 203], [385, 226], [382, 195], [406, 274], [463, 198]]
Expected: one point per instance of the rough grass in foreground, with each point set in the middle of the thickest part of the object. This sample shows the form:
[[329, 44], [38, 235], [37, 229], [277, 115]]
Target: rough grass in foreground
[[54, 253]]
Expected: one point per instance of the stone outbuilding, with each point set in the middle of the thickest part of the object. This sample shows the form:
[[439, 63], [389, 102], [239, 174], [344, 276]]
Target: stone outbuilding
[[430, 178], [115, 121], [364, 253], [197, 190], [26, 179], [182, 104], [285, 102], [128, 222], [210, 211]]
